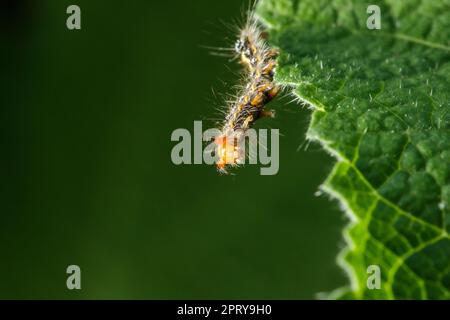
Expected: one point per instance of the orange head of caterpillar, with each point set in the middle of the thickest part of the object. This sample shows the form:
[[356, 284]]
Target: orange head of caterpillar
[[227, 152]]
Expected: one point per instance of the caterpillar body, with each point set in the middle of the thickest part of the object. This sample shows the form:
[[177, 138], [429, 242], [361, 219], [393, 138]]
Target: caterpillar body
[[259, 61]]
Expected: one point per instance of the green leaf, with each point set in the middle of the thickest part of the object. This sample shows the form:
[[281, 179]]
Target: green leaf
[[381, 105]]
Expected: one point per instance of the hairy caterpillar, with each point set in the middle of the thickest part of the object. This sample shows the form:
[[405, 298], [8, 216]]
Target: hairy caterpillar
[[259, 61]]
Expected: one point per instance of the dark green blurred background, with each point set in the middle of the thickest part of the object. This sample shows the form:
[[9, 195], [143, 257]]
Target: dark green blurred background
[[87, 179]]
